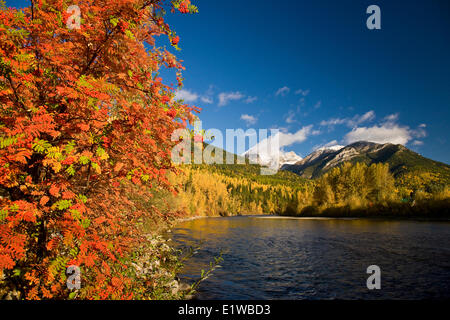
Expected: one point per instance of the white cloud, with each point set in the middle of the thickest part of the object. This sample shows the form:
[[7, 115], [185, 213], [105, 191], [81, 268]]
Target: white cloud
[[330, 144], [282, 91], [302, 92], [249, 119], [419, 132], [332, 122], [386, 133], [318, 104], [206, 99], [391, 118], [190, 96], [370, 115], [290, 117], [270, 145], [282, 129], [350, 122], [286, 138], [226, 97], [250, 99], [186, 95]]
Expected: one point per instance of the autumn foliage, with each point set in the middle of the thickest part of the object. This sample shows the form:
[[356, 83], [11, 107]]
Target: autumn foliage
[[83, 114]]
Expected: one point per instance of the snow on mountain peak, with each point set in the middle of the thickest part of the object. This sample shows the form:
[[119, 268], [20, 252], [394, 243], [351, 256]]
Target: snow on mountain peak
[[264, 158], [332, 148]]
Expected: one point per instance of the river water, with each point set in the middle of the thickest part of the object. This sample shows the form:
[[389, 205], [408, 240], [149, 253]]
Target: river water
[[299, 258]]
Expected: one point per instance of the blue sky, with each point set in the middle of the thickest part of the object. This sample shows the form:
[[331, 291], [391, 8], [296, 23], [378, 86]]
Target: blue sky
[[314, 70], [392, 83]]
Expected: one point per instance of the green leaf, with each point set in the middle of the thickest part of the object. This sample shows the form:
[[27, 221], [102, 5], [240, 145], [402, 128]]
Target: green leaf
[[69, 147], [114, 21], [41, 146], [3, 214], [75, 214], [70, 170], [83, 160], [63, 204], [82, 198], [100, 151], [129, 34], [85, 223]]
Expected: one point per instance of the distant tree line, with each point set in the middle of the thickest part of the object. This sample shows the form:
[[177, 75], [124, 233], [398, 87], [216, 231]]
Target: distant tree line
[[347, 190]]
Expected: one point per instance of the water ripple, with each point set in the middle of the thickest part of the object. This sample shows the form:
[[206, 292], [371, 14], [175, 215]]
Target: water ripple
[[318, 259]]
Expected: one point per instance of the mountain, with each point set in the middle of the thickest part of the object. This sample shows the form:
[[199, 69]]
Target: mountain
[[265, 158], [333, 148], [289, 158], [400, 159], [252, 171]]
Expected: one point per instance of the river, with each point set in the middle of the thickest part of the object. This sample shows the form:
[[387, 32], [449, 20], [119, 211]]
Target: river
[[268, 257]]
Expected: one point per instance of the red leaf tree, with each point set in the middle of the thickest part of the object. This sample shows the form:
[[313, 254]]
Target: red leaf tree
[[82, 110]]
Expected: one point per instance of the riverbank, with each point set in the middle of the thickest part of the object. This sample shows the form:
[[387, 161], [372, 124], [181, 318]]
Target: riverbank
[[190, 218], [391, 218], [424, 209]]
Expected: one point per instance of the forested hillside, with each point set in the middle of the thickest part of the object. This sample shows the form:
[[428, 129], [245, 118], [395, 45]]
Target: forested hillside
[[349, 188], [400, 159]]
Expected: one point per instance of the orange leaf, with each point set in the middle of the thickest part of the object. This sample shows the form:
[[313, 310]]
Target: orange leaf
[[54, 191], [83, 126], [44, 200], [68, 195], [116, 282], [100, 220], [118, 166]]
